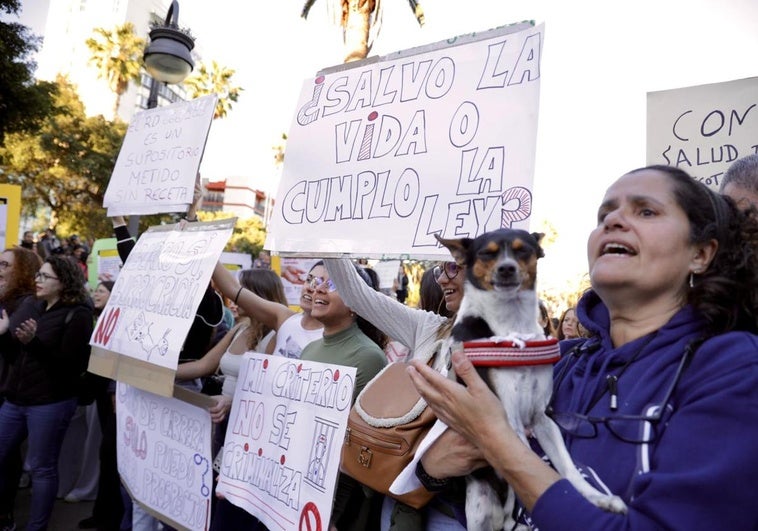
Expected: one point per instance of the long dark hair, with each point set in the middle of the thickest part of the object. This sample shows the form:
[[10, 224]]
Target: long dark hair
[[376, 335], [431, 297], [726, 293], [73, 290], [267, 285]]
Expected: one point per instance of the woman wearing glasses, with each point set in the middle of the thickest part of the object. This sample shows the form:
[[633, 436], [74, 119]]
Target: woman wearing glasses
[[660, 407], [421, 331], [294, 330], [17, 269], [50, 338], [354, 342]]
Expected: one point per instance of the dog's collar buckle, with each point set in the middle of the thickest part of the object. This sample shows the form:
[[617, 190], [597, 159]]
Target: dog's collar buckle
[[486, 353]]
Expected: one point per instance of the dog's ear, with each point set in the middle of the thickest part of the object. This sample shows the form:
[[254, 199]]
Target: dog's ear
[[538, 236], [458, 247]]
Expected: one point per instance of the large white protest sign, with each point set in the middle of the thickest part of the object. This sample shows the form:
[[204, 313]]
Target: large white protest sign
[[385, 154], [703, 129], [283, 444], [154, 301], [158, 163], [164, 456]]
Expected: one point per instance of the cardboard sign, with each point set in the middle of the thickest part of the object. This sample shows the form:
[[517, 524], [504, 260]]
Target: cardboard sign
[[103, 262], [164, 456], [236, 261], [283, 443], [10, 214], [138, 336], [158, 163], [384, 154], [703, 129]]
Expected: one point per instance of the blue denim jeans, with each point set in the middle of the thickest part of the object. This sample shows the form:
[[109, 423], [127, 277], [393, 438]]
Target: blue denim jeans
[[44, 426]]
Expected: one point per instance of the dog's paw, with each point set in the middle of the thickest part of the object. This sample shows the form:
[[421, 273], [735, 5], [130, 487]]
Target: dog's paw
[[612, 504]]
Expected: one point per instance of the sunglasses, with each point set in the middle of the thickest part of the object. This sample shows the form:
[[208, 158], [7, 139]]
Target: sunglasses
[[315, 282], [450, 269]]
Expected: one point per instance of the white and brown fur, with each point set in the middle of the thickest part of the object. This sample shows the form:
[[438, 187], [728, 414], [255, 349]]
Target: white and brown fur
[[500, 301]]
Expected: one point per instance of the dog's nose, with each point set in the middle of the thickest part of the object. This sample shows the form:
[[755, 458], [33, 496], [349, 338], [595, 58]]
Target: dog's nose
[[507, 269]]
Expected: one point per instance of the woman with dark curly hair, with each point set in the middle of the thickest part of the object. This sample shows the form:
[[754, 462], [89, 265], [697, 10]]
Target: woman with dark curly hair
[[660, 405], [49, 335]]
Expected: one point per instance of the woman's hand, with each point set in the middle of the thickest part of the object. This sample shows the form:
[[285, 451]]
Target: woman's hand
[[219, 411], [471, 409], [452, 456], [26, 330]]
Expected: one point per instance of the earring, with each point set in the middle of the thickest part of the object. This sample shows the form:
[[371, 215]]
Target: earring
[[692, 279]]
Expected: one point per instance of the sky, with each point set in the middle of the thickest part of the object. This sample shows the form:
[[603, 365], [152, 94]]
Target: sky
[[600, 58]]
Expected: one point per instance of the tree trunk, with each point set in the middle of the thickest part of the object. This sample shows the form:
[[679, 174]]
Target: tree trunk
[[356, 29]]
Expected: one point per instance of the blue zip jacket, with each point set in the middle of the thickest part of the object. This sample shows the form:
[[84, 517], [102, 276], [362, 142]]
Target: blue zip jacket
[[701, 469]]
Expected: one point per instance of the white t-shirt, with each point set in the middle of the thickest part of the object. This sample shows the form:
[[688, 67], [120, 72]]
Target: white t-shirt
[[230, 362], [291, 337]]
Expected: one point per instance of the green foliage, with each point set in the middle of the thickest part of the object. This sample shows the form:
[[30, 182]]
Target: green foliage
[[248, 235], [214, 79], [23, 103], [66, 165], [117, 55]]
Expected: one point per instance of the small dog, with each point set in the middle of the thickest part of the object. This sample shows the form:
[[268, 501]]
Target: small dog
[[500, 303]]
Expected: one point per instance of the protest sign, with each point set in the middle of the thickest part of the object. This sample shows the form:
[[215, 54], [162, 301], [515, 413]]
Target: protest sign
[[236, 261], [703, 129], [10, 214], [388, 271], [384, 154], [139, 335], [281, 455], [164, 456], [103, 262], [158, 162]]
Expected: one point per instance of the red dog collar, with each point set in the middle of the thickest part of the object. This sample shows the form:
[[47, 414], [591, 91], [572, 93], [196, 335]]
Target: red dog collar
[[484, 353]]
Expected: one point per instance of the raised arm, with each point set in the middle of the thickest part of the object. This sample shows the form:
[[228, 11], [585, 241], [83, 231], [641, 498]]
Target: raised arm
[[271, 314], [208, 364], [411, 326]]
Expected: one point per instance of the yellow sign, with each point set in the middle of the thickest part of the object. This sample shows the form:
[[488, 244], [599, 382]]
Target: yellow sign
[[10, 214]]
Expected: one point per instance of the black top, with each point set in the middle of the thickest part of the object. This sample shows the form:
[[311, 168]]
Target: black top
[[47, 369]]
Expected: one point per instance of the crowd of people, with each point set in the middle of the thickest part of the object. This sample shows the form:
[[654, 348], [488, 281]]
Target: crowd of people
[[670, 319]]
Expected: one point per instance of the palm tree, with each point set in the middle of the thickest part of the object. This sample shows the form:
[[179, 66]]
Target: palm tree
[[117, 55], [358, 18], [214, 79]]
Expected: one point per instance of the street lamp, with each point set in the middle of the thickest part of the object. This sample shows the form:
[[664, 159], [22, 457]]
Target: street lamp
[[167, 59]]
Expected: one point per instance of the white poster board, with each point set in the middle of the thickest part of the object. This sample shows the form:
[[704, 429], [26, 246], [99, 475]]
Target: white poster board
[[236, 261], [384, 154], [158, 162], [703, 129], [283, 444], [388, 271], [164, 456], [158, 291]]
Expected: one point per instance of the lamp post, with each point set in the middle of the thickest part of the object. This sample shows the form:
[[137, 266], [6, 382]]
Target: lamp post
[[167, 59]]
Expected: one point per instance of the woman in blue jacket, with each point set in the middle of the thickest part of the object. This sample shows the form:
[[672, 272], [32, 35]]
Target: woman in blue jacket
[[49, 336], [660, 405]]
